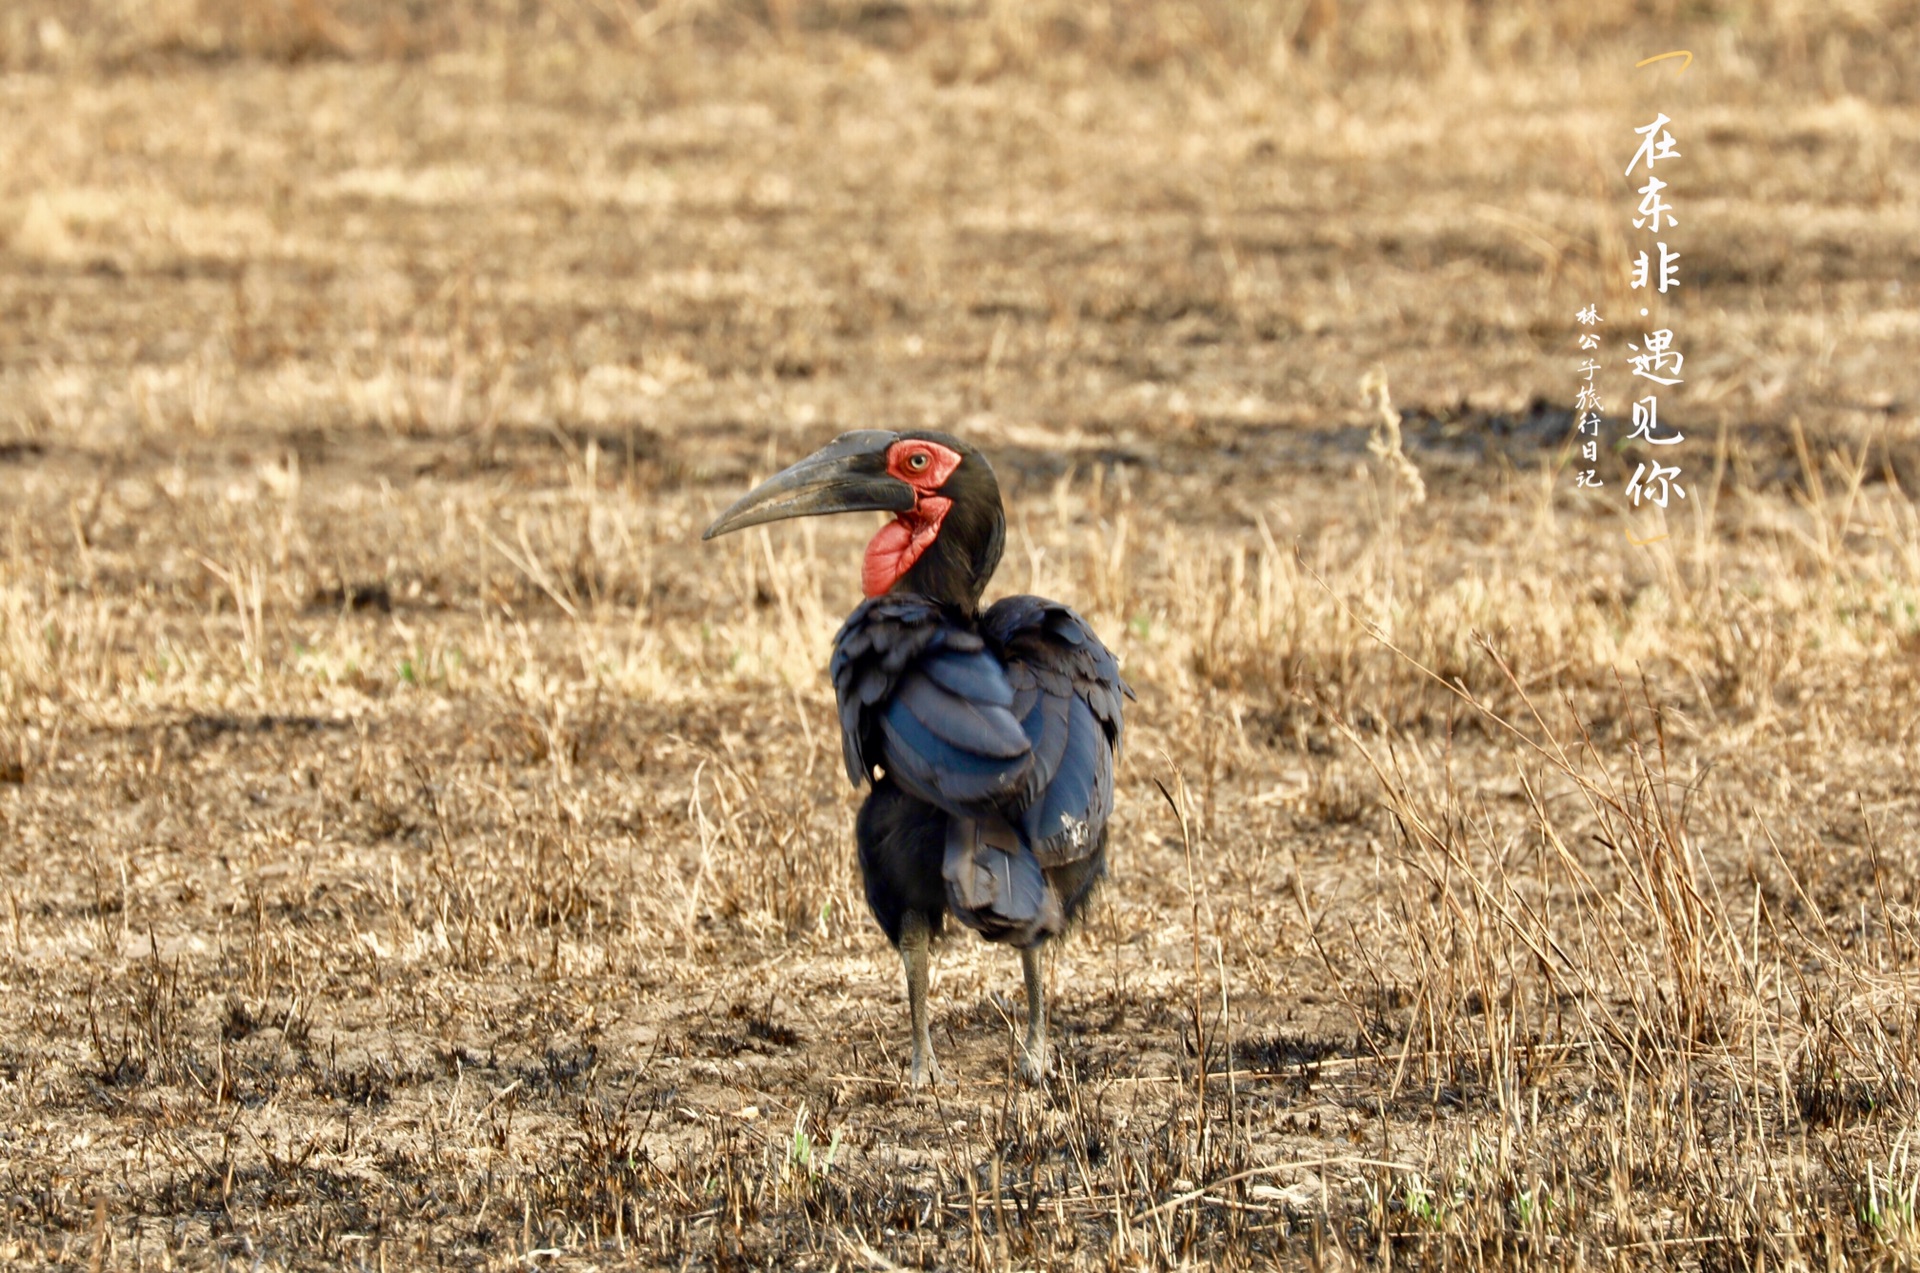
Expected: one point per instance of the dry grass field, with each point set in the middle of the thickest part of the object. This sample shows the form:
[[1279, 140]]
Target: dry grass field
[[418, 849]]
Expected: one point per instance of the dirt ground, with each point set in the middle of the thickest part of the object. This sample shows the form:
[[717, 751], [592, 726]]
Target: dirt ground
[[420, 850]]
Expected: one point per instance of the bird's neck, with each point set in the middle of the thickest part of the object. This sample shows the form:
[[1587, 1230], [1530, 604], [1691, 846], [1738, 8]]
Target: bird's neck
[[955, 566]]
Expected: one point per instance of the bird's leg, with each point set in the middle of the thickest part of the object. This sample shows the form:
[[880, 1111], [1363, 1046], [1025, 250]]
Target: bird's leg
[[913, 953], [1033, 1058]]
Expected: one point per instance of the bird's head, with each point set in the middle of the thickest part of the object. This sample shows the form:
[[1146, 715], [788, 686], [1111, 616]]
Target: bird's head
[[947, 530]]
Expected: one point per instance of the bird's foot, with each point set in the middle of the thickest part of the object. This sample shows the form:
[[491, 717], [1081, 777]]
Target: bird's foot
[[924, 1073], [1033, 1064]]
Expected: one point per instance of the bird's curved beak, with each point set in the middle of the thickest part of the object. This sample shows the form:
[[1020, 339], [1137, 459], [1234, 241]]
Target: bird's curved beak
[[847, 475]]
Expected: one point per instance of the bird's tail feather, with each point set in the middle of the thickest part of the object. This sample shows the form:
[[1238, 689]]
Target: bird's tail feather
[[995, 885]]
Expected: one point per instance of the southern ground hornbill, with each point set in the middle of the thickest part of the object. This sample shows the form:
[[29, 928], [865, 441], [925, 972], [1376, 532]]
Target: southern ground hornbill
[[988, 735]]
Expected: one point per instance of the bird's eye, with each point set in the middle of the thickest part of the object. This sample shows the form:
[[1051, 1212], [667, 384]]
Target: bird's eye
[[917, 461]]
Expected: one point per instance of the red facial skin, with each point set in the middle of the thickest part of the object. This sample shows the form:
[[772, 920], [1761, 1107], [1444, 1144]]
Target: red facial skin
[[925, 466]]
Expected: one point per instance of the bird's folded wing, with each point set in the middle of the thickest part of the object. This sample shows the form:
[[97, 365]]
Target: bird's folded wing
[[922, 697], [1020, 726], [1067, 696]]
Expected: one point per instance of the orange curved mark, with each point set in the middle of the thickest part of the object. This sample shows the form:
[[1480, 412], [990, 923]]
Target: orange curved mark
[[1661, 57]]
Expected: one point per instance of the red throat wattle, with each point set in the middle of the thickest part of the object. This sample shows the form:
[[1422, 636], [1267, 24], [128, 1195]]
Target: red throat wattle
[[925, 466]]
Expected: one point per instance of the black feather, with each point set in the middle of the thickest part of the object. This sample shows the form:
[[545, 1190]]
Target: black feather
[[1003, 727]]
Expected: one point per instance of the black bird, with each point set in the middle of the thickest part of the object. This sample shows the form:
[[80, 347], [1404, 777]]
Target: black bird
[[988, 736]]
